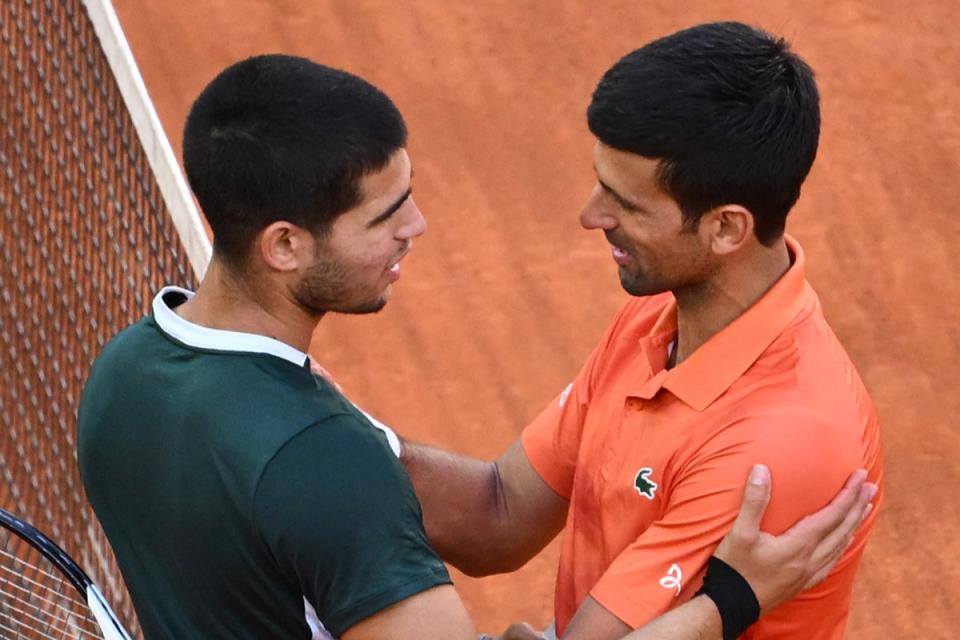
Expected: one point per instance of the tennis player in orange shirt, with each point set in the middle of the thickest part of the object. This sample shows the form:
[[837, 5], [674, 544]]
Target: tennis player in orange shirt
[[720, 359]]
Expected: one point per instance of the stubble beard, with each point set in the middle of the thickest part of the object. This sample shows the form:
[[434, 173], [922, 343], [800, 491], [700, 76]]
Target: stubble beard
[[689, 270], [639, 284], [326, 288]]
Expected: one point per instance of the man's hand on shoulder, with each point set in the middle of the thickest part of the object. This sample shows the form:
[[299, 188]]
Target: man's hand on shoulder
[[777, 568], [780, 567]]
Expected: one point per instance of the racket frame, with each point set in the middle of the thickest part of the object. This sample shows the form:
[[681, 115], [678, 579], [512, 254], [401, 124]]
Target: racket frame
[[104, 615]]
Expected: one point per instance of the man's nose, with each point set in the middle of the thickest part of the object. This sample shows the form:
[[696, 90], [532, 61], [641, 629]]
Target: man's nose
[[596, 212]]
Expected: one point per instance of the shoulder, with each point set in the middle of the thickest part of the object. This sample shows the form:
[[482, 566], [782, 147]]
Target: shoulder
[[347, 438], [128, 343], [810, 455], [343, 452], [785, 410], [266, 399], [805, 382], [116, 378]]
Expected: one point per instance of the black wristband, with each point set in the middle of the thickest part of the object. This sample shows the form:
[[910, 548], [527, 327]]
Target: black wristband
[[735, 599]]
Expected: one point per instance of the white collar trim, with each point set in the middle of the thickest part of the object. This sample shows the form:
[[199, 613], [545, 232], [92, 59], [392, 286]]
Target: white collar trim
[[195, 335]]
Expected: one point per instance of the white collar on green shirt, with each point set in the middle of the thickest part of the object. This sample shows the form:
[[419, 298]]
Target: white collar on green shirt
[[195, 335]]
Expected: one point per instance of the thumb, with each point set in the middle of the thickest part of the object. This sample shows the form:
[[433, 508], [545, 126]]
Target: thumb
[[756, 496]]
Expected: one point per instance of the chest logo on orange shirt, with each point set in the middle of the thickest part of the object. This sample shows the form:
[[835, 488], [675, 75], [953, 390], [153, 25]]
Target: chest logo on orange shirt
[[644, 485]]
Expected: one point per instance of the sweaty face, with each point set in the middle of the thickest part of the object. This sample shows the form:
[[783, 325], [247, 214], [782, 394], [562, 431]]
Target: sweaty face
[[653, 249], [357, 262]]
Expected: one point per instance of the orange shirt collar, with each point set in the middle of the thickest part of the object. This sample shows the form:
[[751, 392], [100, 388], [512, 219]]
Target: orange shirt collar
[[715, 365]]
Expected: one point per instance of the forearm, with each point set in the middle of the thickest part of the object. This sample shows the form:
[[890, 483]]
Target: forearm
[[698, 619], [463, 508]]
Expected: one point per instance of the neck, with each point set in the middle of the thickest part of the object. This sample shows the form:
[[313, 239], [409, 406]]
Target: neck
[[706, 308], [229, 301]]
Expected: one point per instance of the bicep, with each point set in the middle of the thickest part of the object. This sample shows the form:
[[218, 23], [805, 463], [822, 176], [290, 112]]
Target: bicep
[[435, 614], [535, 512]]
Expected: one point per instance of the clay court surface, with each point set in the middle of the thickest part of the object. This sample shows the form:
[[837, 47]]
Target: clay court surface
[[503, 298]]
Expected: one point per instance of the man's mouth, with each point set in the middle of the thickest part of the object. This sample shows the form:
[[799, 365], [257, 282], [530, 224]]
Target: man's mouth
[[394, 267], [620, 255]]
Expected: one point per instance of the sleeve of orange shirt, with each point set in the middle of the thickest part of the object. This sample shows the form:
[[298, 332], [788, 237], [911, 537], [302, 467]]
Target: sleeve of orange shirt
[[552, 440], [809, 461]]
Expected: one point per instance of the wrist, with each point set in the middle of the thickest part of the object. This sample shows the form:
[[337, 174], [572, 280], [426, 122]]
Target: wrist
[[734, 598]]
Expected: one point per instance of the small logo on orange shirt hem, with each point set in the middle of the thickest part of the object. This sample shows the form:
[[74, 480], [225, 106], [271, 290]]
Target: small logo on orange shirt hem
[[673, 579], [644, 485]]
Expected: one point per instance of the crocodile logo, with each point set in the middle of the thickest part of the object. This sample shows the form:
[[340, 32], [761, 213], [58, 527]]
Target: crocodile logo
[[644, 485]]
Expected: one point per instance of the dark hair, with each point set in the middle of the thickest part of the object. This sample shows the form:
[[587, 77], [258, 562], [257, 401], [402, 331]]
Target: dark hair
[[732, 114], [277, 137]]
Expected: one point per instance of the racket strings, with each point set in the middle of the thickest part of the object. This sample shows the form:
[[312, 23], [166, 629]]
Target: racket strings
[[29, 627], [24, 569], [25, 632], [37, 604], [38, 608]]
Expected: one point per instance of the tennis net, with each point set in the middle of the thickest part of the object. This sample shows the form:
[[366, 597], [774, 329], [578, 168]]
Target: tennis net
[[94, 217]]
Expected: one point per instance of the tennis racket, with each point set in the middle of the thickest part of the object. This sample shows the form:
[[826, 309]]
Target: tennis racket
[[44, 594]]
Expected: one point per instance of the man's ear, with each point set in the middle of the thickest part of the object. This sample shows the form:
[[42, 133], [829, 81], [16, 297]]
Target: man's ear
[[283, 246], [727, 227]]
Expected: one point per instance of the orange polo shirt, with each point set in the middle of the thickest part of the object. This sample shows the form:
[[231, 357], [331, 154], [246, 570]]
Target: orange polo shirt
[[654, 461]]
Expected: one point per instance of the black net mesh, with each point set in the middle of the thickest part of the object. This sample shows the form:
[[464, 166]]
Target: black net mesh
[[85, 240]]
